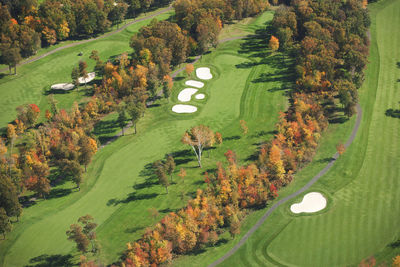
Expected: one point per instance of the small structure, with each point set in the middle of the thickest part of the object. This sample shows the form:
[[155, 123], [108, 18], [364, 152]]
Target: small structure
[[63, 86]]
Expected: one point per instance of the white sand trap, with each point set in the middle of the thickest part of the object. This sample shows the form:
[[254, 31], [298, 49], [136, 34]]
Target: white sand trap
[[184, 109], [204, 73], [200, 96], [312, 202], [194, 84], [186, 94], [62, 86], [90, 78]]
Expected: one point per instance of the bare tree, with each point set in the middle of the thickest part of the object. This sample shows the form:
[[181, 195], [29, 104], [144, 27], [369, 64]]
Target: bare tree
[[199, 137]]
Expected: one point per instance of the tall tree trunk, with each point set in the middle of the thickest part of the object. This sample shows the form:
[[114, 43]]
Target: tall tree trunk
[[166, 188], [15, 70], [135, 129]]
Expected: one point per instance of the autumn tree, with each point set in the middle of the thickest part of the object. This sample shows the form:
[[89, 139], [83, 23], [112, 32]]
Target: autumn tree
[[167, 86], [75, 76], [340, 148], [135, 111], [88, 147], [82, 70], [159, 170], [274, 43], [243, 127], [218, 138], [5, 224], [153, 213], [396, 261], [198, 137], [189, 69], [83, 233], [182, 174], [170, 166]]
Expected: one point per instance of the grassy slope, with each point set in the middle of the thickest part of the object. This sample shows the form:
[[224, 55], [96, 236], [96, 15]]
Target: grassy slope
[[34, 79], [362, 188], [118, 188]]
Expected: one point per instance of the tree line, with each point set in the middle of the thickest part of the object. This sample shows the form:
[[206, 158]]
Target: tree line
[[328, 39], [26, 26]]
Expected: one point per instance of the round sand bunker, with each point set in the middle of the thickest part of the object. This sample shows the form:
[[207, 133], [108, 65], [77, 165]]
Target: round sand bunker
[[90, 78], [184, 109], [186, 94], [193, 83], [204, 73], [62, 86], [200, 96], [312, 202]]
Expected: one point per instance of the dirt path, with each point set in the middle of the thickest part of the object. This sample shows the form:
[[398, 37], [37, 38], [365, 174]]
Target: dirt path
[[91, 40], [291, 196]]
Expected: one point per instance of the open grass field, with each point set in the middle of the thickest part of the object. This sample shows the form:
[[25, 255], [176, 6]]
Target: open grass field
[[32, 84], [362, 188], [119, 187]]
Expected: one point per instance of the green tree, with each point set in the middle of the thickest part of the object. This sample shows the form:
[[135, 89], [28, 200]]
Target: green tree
[[71, 169], [121, 120], [135, 111], [9, 197], [5, 224], [11, 56]]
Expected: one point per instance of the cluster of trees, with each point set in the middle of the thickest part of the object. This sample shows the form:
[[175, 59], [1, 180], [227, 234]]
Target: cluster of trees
[[25, 26], [63, 144], [329, 42], [203, 19], [206, 217]]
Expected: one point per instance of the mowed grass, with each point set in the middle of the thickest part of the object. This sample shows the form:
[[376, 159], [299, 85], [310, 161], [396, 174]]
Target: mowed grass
[[119, 186], [362, 216], [33, 81]]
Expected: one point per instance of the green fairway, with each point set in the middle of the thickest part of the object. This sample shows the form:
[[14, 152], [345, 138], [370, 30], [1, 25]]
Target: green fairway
[[119, 187], [362, 216], [34, 79]]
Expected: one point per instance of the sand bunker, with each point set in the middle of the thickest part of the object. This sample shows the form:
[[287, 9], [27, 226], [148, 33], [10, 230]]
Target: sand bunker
[[186, 94], [184, 109], [200, 96], [204, 73], [62, 86], [194, 84], [312, 202], [90, 78]]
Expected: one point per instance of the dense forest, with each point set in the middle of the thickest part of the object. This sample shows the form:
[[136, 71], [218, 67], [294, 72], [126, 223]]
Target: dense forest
[[26, 26]]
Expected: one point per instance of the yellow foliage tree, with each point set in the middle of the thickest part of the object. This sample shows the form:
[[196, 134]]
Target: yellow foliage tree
[[274, 43]]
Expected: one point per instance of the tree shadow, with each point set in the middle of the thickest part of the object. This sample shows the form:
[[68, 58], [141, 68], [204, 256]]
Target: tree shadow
[[26, 201], [134, 196], [131, 230], [395, 244], [338, 119], [168, 210], [55, 260], [398, 64], [264, 133], [325, 160], [59, 192], [394, 113], [235, 137]]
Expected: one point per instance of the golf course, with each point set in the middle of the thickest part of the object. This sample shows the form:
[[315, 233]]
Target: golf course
[[339, 209], [120, 186]]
